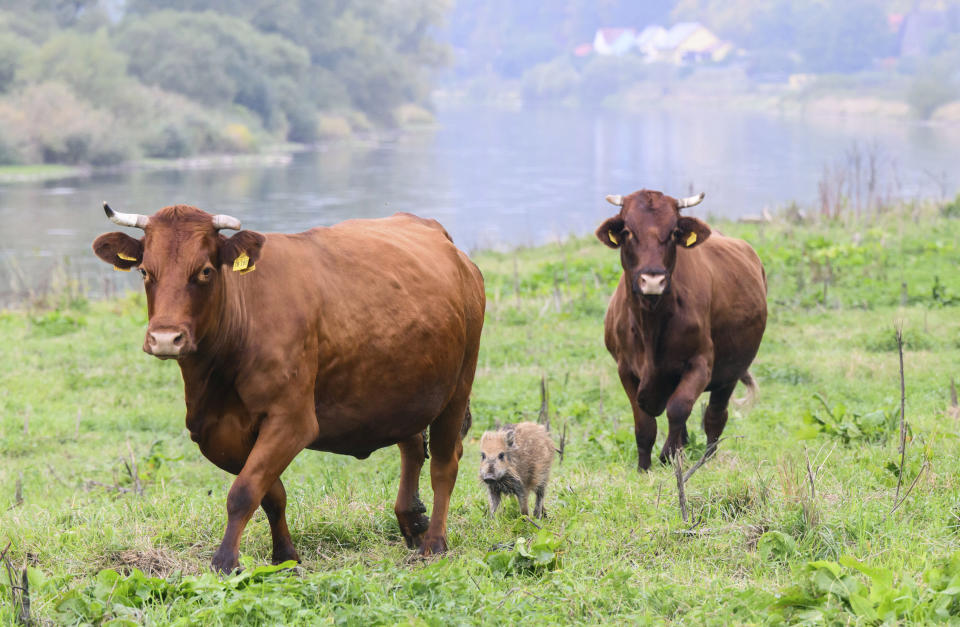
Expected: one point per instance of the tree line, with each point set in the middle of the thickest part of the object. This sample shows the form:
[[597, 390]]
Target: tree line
[[102, 81]]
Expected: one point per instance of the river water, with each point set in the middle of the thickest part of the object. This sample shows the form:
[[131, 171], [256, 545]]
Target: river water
[[493, 178]]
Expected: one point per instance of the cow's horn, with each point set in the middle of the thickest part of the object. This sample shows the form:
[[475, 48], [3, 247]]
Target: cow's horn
[[125, 219], [683, 203], [615, 200], [223, 221]]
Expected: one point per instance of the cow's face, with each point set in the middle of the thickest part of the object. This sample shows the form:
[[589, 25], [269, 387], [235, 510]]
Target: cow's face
[[648, 230], [183, 259]]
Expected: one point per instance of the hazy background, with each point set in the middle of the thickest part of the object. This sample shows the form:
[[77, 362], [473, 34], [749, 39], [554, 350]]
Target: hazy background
[[508, 121]]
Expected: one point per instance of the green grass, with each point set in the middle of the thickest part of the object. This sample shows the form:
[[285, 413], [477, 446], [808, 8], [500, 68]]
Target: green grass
[[614, 549], [38, 172]]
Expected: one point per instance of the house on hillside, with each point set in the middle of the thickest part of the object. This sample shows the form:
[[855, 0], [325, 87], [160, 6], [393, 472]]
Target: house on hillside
[[692, 42], [683, 43], [614, 41], [649, 41]]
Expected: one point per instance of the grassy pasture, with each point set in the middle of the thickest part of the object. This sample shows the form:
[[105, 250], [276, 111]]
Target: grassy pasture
[[80, 404]]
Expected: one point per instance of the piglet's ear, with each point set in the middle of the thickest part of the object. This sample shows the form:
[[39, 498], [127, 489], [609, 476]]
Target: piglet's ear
[[610, 232], [241, 251], [119, 249], [509, 438], [691, 232]]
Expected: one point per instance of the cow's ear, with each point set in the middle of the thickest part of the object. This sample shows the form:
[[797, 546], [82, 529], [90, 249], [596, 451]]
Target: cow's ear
[[241, 251], [611, 232], [691, 232], [119, 250]]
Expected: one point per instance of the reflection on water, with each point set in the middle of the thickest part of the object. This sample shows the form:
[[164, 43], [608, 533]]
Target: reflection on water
[[493, 178]]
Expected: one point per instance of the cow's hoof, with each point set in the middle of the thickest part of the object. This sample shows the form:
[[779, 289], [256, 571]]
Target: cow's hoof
[[413, 526], [224, 563], [667, 455], [432, 546], [285, 555]]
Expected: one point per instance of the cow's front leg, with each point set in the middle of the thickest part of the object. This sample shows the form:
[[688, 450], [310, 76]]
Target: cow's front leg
[[282, 435], [680, 404], [644, 425]]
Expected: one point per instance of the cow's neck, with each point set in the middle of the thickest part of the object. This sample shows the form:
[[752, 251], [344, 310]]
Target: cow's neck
[[217, 361], [652, 320]]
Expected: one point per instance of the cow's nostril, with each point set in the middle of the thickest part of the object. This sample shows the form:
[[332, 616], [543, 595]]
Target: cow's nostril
[[177, 341]]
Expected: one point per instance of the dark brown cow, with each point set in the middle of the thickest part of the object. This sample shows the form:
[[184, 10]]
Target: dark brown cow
[[687, 316], [343, 339]]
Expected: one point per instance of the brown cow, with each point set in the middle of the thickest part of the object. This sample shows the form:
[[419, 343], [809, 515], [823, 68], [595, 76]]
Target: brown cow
[[687, 316], [344, 339]]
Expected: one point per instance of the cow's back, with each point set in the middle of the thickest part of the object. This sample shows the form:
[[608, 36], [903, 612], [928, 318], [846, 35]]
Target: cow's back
[[395, 311]]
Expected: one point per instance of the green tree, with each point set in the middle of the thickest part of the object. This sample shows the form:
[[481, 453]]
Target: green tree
[[218, 60], [88, 63]]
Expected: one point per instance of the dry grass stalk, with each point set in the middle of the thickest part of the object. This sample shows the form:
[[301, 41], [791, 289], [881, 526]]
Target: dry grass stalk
[[678, 471]]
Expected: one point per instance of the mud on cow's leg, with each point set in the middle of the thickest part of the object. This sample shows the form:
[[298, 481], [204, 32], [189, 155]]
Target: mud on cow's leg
[[280, 438], [446, 448], [680, 405], [274, 505], [409, 508]]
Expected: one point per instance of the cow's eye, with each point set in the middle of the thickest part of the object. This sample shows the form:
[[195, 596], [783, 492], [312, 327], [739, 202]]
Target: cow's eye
[[204, 275], [143, 273]]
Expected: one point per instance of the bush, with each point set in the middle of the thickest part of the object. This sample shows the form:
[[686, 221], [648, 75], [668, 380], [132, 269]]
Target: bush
[[554, 80], [929, 91], [952, 208], [12, 50], [48, 123], [606, 76]]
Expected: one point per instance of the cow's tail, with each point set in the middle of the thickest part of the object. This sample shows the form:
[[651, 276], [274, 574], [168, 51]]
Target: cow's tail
[[752, 391], [467, 421]]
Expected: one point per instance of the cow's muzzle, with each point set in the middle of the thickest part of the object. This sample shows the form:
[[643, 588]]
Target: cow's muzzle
[[653, 284], [167, 343]]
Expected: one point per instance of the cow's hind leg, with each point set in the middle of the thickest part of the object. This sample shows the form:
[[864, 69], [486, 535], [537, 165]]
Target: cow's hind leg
[[446, 448], [715, 418], [274, 504], [681, 402], [409, 508]]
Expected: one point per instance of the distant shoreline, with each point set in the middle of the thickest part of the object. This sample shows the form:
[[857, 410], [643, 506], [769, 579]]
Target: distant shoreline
[[39, 173]]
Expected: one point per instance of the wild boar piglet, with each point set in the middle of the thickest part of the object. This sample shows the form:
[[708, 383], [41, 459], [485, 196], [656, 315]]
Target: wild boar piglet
[[516, 459]]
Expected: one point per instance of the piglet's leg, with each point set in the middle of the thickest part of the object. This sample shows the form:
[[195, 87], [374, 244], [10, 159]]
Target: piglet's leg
[[522, 498], [692, 384], [538, 511]]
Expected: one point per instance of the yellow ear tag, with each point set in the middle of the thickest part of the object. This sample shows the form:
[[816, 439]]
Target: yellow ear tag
[[612, 237], [248, 270], [119, 269], [691, 240], [125, 258], [241, 262]]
